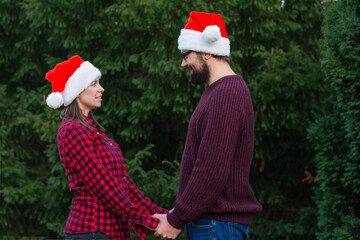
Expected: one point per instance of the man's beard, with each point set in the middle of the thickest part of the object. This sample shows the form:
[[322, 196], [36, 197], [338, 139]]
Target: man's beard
[[200, 76]]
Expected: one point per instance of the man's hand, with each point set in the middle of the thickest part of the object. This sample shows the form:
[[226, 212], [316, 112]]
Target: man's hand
[[164, 229]]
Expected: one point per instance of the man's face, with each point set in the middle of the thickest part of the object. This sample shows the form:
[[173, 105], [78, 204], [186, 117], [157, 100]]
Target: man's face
[[199, 69]]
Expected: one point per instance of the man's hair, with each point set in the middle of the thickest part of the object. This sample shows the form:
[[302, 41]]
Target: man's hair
[[73, 112], [223, 58]]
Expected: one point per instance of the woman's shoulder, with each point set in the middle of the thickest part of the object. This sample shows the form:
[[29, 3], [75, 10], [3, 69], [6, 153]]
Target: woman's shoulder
[[69, 125]]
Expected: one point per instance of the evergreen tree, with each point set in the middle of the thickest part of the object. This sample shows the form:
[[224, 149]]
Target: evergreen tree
[[336, 135], [149, 99]]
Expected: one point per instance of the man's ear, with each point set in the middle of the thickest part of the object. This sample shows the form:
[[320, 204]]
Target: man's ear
[[207, 56]]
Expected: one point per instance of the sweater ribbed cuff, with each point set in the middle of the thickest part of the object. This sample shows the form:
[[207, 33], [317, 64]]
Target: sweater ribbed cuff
[[174, 220]]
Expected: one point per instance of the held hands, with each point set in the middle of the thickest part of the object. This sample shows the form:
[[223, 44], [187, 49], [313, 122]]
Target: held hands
[[164, 229]]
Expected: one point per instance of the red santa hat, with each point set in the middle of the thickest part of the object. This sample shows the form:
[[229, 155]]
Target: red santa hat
[[205, 32], [69, 79]]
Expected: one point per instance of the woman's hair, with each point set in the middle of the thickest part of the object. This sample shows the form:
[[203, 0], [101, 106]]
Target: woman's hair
[[73, 112]]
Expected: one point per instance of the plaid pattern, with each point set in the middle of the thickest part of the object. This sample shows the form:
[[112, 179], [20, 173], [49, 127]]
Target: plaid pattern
[[105, 198]]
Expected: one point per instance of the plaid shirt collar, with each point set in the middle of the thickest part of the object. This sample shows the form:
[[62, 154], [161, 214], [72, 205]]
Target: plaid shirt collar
[[90, 121]]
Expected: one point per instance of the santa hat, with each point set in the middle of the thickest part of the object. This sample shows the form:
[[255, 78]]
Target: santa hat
[[69, 79], [205, 32]]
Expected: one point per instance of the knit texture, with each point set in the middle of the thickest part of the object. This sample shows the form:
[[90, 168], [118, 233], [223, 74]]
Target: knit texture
[[215, 166]]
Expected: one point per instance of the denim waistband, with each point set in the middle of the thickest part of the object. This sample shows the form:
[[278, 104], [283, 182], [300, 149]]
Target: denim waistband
[[87, 236]]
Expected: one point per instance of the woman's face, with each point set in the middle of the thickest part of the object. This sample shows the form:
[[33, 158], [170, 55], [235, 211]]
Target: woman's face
[[90, 98]]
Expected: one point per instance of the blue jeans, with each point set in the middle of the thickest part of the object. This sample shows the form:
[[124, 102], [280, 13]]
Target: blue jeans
[[207, 229], [87, 236]]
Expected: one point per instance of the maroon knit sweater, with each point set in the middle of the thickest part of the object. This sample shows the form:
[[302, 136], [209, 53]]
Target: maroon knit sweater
[[215, 166]]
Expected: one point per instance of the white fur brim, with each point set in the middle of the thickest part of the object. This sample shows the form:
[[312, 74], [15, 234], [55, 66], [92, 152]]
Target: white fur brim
[[194, 40], [79, 81]]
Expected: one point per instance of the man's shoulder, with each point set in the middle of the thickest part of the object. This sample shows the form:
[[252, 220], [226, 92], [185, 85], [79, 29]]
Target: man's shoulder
[[230, 85]]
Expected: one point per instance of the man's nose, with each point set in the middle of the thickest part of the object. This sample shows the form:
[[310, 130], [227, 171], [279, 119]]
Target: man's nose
[[183, 63]]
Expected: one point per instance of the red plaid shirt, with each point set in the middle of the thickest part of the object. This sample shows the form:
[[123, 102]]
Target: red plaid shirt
[[105, 198]]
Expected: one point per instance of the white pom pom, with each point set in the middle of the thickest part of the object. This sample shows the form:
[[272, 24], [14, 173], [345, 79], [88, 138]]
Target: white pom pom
[[55, 100], [212, 33]]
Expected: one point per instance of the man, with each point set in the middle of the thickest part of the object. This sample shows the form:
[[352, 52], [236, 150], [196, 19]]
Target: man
[[214, 198]]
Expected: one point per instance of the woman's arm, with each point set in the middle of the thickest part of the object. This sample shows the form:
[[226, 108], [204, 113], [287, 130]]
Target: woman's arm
[[77, 143], [135, 193]]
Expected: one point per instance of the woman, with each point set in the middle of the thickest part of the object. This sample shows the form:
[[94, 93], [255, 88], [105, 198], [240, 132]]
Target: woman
[[106, 202]]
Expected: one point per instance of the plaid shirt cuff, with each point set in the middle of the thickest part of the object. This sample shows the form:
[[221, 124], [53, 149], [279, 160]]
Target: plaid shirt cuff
[[142, 231]]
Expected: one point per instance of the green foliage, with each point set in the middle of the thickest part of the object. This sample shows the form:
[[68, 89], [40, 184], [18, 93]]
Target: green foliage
[[149, 99], [286, 101], [336, 135]]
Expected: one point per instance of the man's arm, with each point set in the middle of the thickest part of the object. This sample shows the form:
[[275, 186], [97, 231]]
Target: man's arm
[[223, 119]]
